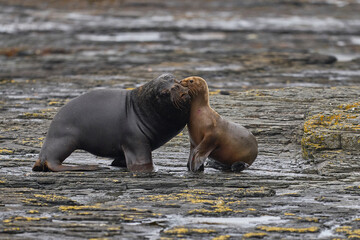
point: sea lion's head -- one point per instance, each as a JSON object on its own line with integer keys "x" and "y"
{"x": 175, "y": 92}
{"x": 163, "y": 92}
{"x": 196, "y": 85}
{"x": 164, "y": 96}
{"x": 163, "y": 104}
{"x": 169, "y": 90}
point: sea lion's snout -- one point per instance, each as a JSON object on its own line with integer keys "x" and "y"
{"x": 192, "y": 84}
{"x": 180, "y": 91}
{"x": 186, "y": 82}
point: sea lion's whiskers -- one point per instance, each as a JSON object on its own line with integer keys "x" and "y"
{"x": 181, "y": 104}
{"x": 193, "y": 92}
{"x": 178, "y": 104}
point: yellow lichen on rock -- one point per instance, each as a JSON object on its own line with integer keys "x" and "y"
{"x": 349, "y": 231}
{"x": 20, "y": 218}
{"x": 350, "y": 106}
{"x": 214, "y": 92}
{"x": 284, "y": 229}
{"x": 23, "y": 219}
{"x": 10, "y": 230}
{"x": 332, "y": 130}
{"x": 199, "y": 196}
{"x": 193, "y": 196}
{"x": 51, "y": 197}
{"x": 29, "y": 141}
{"x": 33, "y": 202}
{"x": 34, "y": 115}
{"x": 289, "y": 214}
{"x": 117, "y": 228}
{"x": 308, "y": 219}
{"x": 184, "y": 231}
{"x": 219, "y": 206}
{"x": 33, "y": 211}
{"x": 221, "y": 237}
{"x": 84, "y": 213}
{"x": 83, "y": 207}
{"x": 254, "y": 192}
{"x": 254, "y": 235}
{"x": 56, "y": 102}
{"x": 6, "y": 151}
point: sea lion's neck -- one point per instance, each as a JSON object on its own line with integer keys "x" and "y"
{"x": 145, "y": 108}
{"x": 158, "y": 121}
{"x": 200, "y": 100}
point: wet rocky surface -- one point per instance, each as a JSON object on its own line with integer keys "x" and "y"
{"x": 287, "y": 70}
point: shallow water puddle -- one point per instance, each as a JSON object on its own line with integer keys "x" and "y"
{"x": 243, "y": 222}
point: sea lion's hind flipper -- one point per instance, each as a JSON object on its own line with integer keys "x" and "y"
{"x": 62, "y": 168}
{"x": 239, "y": 166}
{"x": 52, "y": 155}
{"x": 218, "y": 165}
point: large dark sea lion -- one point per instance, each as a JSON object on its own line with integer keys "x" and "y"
{"x": 229, "y": 144}
{"x": 119, "y": 124}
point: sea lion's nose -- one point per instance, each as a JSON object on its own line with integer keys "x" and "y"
{"x": 183, "y": 83}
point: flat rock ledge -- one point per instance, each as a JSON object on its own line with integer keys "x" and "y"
{"x": 282, "y": 195}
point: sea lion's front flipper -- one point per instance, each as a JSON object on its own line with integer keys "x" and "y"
{"x": 191, "y": 155}
{"x": 199, "y": 155}
{"x": 138, "y": 158}
{"x": 119, "y": 161}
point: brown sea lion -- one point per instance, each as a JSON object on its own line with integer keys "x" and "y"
{"x": 229, "y": 144}
{"x": 119, "y": 124}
